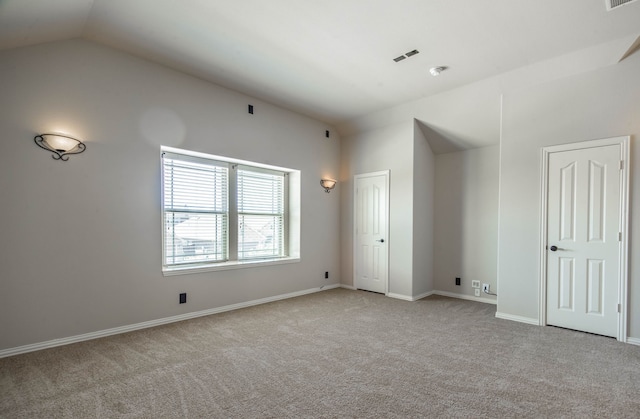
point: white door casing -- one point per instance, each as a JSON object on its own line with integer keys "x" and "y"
{"x": 585, "y": 191}
{"x": 371, "y": 231}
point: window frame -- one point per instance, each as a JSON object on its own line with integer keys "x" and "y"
{"x": 291, "y": 216}
{"x": 237, "y": 213}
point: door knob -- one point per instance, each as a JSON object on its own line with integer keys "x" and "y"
{"x": 553, "y": 248}
{"x": 381, "y": 240}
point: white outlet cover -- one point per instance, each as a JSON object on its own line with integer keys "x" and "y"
{"x": 477, "y": 292}
{"x": 475, "y": 284}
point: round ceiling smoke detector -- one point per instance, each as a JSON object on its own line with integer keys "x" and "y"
{"x": 435, "y": 71}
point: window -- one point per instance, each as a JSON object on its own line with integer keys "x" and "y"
{"x": 261, "y": 214}
{"x": 220, "y": 212}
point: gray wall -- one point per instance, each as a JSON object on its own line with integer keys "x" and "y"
{"x": 389, "y": 148}
{"x": 424, "y": 185}
{"x": 598, "y": 104}
{"x": 402, "y": 149}
{"x": 466, "y": 213}
{"x": 80, "y": 249}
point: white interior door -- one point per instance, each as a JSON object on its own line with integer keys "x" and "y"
{"x": 371, "y": 221}
{"x": 583, "y": 239}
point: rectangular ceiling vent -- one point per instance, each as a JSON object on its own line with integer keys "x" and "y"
{"x": 414, "y": 52}
{"x": 612, "y": 4}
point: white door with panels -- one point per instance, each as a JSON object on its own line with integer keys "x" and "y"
{"x": 584, "y": 275}
{"x": 371, "y": 231}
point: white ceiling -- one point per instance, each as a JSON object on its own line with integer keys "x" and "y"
{"x": 329, "y": 59}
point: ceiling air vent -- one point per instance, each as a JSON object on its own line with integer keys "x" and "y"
{"x": 412, "y": 53}
{"x": 613, "y": 4}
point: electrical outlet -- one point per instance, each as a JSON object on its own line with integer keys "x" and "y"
{"x": 477, "y": 292}
{"x": 475, "y": 284}
{"x": 326, "y": 275}
{"x": 183, "y": 298}
{"x": 485, "y": 288}
{"x": 457, "y": 281}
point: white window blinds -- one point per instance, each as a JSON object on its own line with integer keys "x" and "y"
{"x": 261, "y": 213}
{"x": 196, "y": 211}
{"x": 218, "y": 211}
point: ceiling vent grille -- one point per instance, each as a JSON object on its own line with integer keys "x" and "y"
{"x": 613, "y": 4}
{"x": 409, "y": 54}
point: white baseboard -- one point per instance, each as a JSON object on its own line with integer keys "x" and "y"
{"x": 426, "y": 294}
{"x": 349, "y": 287}
{"x": 421, "y": 296}
{"x": 399, "y": 296}
{"x": 465, "y": 297}
{"x": 408, "y": 297}
{"x": 633, "y": 341}
{"x": 519, "y": 319}
{"x": 144, "y": 325}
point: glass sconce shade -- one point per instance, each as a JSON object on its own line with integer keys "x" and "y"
{"x": 328, "y": 184}
{"x": 60, "y": 145}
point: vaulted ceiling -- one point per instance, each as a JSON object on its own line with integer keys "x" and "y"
{"x": 329, "y": 59}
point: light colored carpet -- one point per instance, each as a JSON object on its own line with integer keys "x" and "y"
{"x": 336, "y": 353}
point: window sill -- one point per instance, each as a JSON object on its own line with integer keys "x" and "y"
{"x": 226, "y": 266}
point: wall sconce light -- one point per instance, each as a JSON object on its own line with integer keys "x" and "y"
{"x": 60, "y": 145}
{"x": 328, "y": 184}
